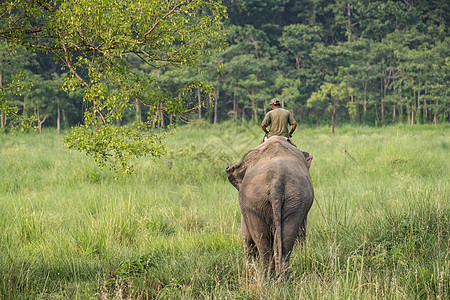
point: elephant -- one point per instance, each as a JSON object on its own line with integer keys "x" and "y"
{"x": 275, "y": 195}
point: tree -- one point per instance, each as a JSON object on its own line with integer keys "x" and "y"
{"x": 330, "y": 97}
{"x": 95, "y": 38}
{"x": 359, "y": 73}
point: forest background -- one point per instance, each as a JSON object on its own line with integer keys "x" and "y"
{"x": 379, "y": 226}
{"x": 392, "y": 57}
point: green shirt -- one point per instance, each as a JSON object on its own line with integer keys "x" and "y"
{"x": 278, "y": 120}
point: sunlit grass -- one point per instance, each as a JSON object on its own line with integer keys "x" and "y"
{"x": 379, "y": 226}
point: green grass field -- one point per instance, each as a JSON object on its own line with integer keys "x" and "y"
{"x": 378, "y": 229}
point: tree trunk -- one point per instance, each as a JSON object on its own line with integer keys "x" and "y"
{"x": 332, "y": 118}
{"x": 349, "y": 21}
{"x": 358, "y": 113}
{"x": 235, "y": 108}
{"x": 138, "y": 111}
{"x": 216, "y": 102}
{"x": 365, "y": 96}
{"x": 297, "y": 62}
{"x": 161, "y": 115}
{"x": 383, "y": 89}
{"x": 435, "y": 110}
{"x": 199, "y": 104}
{"x": 413, "y": 107}
{"x": 39, "y": 121}
{"x": 314, "y": 12}
{"x": 255, "y": 108}
{"x": 393, "y": 114}
{"x": 24, "y": 112}
{"x": 408, "y": 114}
{"x": 300, "y": 115}
{"x": 58, "y": 116}
{"x": 425, "y": 110}
{"x": 2, "y": 114}
{"x": 155, "y": 120}
{"x": 376, "y": 113}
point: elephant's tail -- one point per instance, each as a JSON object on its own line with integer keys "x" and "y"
{"x": 277, "y": 198}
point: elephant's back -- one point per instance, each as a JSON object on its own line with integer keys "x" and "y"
{"x": 286, "y": 172}
{"x": 291, "y": 166}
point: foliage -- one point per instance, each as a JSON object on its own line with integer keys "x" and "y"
{"x": 16, "y": 87}
{"x": 330, "y": 97}
{"x": 392, "y": 54}
{"x": 94, "y": 40}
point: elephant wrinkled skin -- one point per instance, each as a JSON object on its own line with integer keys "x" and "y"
{"x": 275, "y": 195}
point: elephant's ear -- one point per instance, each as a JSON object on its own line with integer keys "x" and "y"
{"x": 236, "y": 172}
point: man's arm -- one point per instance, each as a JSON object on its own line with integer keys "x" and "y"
{"x": 293, "y": 129}
{"x": 264, "y": 128}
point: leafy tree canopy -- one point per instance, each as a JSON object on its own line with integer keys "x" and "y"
{"x": 96, "y": 40}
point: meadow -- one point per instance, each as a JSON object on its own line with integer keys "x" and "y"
{"x": 379, "y": 227}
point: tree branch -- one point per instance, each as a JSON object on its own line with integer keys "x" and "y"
{"x": 162, "y": 18}
{"x": 69, "y": 65}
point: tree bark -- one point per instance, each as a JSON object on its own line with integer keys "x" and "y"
{"x": 393, "y": 114}
{"x": 435, "y": 113}
{"x": 425, "y": 110}
{"x": 255, "y": 109}
{"x": 199, "y": 104}
{"x": 408, "y": 114}
{"x": 332, "y": 118}
{"x": 235, "y": 108}
{"x": 358, "y": 113}
{"x": 418, "y": 103}
{"x": 39, "y": 121}
{"x": 2, "y": 114}
{"x": 216, "y": 102}
{"x": 161, "y": 115}
{"x": 365, "y": 96}
{"x": 349, "y": 22}
{"x": 58, "y": 116}
{"x": 138, "y": 111}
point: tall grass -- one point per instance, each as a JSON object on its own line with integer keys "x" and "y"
{"x": 379, "y": 226}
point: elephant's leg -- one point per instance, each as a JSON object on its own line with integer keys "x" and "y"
{"x": 264, "y": 244}
{"x": 302, "y": 233}
{"x": 247, "y": 241}
{"x": 262, "y": 237}
{"x": 290, "y": 233}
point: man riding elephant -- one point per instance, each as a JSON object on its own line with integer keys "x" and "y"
{"x": 275, "y": 195}
{"x": 279, "y": 120}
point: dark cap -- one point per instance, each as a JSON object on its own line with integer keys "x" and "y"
{"x": 275, "y": 102}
